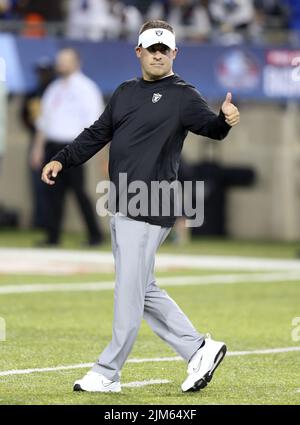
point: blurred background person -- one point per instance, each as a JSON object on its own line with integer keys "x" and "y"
{"x": 190, "y": 18}
{"x": 232, "y": 20}
{"x": 293, "y": 7}
{"x": 30, "y": 111}
{"x": 8, "y": 9}
{"x": 42, "y": 17}
{"x": 99, "y": 19}
{"x": 8, "y": 217}
{"x": 273, "y": 14}
{"x": 271, "y": 19}
{"x": 69, "y": 104}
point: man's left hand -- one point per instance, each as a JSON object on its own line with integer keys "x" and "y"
{"x": 231, "y": 112}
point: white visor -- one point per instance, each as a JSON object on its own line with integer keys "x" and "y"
{"x": 157, "y": 35}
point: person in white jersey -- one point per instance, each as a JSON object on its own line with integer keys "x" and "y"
{"x": 70, "y": 103}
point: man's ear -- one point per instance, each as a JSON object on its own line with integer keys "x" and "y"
{"x": 175, "y": 52}
{"x": 138, "y": 51}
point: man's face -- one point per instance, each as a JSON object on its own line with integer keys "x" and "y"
{"x": 156, "y": 60}
{"x": 66, "y": 62}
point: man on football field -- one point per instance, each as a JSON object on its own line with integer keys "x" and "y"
{"x": 146, "y": 122}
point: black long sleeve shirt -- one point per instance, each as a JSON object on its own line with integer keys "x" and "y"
{"x": 146, "y": 123}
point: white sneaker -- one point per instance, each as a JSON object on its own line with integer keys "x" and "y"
{"x": 202, "y": 365}
{"x": 95, "y": 382}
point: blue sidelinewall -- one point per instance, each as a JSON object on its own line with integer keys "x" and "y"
{"x": 259, "y": 73}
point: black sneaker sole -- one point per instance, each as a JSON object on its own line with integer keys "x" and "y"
{"x": 202, "y": 383}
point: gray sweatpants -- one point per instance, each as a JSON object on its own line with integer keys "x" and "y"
{"x": 136, "y": 295}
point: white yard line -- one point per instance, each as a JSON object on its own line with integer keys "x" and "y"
{"x": 58, "y": 287}
{"x": 59, "y": 261}
{"x": 264, "y": 351}
{"x": 162, "y": 281}
{"x": 147, "y": 360}
{"x": 144, "y": 383}
{"x": 45, "y": 369}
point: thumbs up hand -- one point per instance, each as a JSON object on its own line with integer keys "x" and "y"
{"x": 231, "y": 112}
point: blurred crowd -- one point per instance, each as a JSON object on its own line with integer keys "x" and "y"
{"x": 227, "y": 21}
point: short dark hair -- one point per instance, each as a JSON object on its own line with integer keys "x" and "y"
{"x": 156, "y": 23}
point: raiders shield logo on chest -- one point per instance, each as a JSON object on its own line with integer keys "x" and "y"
{"x": 156, "y": 97}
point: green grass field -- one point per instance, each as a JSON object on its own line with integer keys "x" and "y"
{"x": 200, "y": 245}
{"x": 51, "y": 329}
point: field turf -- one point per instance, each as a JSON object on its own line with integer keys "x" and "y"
{"x": 52, "y": 329}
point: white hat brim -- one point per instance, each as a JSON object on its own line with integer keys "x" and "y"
{"x": 157, "y": 36}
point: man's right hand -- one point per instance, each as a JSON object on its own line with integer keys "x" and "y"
{"x": 50, "y": 171}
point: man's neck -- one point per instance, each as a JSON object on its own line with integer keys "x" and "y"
{"x": 71, "y": 75}
{"x": 157, "y": 79}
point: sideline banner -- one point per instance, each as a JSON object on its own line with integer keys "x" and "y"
{"x": 250, "y": 72}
